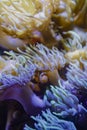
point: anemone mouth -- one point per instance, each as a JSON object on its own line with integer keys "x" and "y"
{"x": 22, "y": 17}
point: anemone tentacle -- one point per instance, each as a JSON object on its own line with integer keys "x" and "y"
{"x": 44, "y": 58}
{"x": 63, "y": 103}
{"x": 77, "y": 76}
{"x": 48, "y": 121}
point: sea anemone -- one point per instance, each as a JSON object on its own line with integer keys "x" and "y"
{"x": 22, "y": 22}
{"x": 77, "y": 54}
{"x": 46, "y": 60}
{"x": 16, "y": 86}
{"x": 9, "y": 63}
{"x": 80, "y": 13}
{"x": 72, "y": 42}
{"x": 8, "y": 66}
{"x": 76, "y": 75}
{"x": 47, "y": 71}
{"x": 49, "y": 121}
{"x": 22, "y": 17}
{"x": 77, "y": 80}
{"x": 63, "y": 103}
